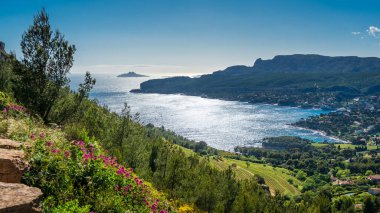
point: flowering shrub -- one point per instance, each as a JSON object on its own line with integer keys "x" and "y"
{"x": 80, "y": 173}
{"x": 4, "y": 100}
{"x": 6, "y": 104}
{"x": 76, "y": 176}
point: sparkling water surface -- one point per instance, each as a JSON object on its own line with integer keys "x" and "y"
{"x": 222, "y": 124}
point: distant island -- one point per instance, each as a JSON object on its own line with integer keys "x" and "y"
{"x": 131, "y": 74}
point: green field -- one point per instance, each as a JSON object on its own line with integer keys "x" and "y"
{"x": 275, "y": 178}
{"x": 343, "y": 146}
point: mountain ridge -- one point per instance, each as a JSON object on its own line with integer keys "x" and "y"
{"x": 285, "y": 79}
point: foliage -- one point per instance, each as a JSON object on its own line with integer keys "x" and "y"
{"x": 47, "y": 59}
{"x": 75, "y": 176}
{"x": 6, "y": 72}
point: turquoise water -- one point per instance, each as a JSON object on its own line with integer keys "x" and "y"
{"x": 222, "y": 124}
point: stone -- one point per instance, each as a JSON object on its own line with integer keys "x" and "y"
{"x": 12, "y": 165}
{"x": 9, "y": 144}
{"x": 17, "y": 197}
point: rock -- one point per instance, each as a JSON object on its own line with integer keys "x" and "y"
{"x": 9, "y": 144}
{"x": 17, "y": 197}
{"x": 12, "y": 165}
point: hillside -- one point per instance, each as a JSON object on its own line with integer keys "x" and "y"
{"x": 305, "y": 80}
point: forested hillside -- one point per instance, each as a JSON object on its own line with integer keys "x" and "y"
{"x": 294, "y": 80}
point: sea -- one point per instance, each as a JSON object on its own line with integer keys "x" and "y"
{"x": 221, "y": 124}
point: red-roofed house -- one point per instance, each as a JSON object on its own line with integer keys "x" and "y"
{"x": 374, "y": 178}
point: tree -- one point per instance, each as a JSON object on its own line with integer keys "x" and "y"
{"x": 6, "y": 74}
{"x": 42, "y": 73}
{"x": 86, "y": 87}
{"x": 369, "y": 204}
{"x": 301, "y": 175}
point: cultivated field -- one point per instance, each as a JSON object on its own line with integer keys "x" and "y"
{"x": 275, "y": 178}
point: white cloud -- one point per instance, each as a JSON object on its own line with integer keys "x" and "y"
{"x": 372, "y": 31}
{"x": 356, "y": 33}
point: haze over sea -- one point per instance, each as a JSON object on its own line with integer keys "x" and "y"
{"x": 222, "y": 124}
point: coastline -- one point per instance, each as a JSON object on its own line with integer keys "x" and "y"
{"x": 323, "y": 133}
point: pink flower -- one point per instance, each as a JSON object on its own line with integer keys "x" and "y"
{"x": 86, "y": 157}
{"x": 121, "y": 170}
{"x": 48, "y": 144}
{"x": 55, "y": 151}
{"x": 42, "y": 135}
{"x": 33, "y": 136}
{"x": 163, "y": 211}
{"x": 116, "y": 187}
{"x": 67, "y": 154}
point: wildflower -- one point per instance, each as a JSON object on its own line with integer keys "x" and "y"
{"x": 163, "y": 211}
{"x": 42, "y": 135}
{"x": 116, "y": 187}
{"x": 55, "y": 151}
{"x": 121, "y": 170}
{"x": 86, "y": 157}
{"x": 67, "y": 154}
{"x": 5, "y": 110}
{"x": 33, "y": 136}
{"x": 153, "y": 207}
{"x": 146, "y": 202}
{"x": 48, "y": 143}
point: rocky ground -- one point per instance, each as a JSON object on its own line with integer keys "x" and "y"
{"x": 15, "y": 196}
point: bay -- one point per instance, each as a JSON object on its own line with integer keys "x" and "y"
{"x": 222, "y": 124}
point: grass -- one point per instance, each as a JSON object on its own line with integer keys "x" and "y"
{"x": 275, "y": 178}
{"x": 343, "y": 146}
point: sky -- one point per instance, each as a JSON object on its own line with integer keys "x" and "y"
{"x": 188, "y": 37}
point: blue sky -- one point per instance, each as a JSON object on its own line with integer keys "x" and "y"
{"x": 168, "y": 37}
